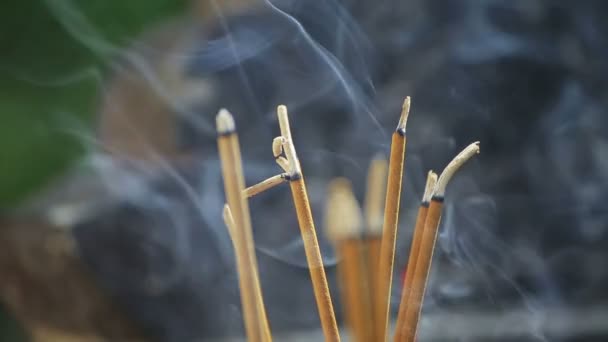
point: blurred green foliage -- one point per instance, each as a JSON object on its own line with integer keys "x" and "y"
{"x": 53, "y": 55}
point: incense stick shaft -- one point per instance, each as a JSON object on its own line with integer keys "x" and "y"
{"x": 238, "y": 249}
{"x": 372, "y": 249}
{"x": 389, "y": 235}
{"x": 315, "y": 262}
{"x": 264, "y": 185}
{"x": 344, "y": 223}
{"x": 307, "y": 229}
{"x": 372, "y": 244}
{"x": 354, "y": 289}
{"x": 254, "y": 314}
{"x": 375, "y": 196}
{"x": 421, "y": 271}
{"x": 410, "y": 269}
{"x": 233, "y": 188}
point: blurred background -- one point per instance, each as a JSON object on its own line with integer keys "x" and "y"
{"x": 110, "y": 188}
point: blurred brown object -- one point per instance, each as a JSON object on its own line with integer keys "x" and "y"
{"x": 151, "y": 91}
{"x": 43, "y": 283}
{"x": 142, "y": 100}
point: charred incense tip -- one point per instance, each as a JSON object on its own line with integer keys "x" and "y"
{"x": 452, "y": 167}
{"x": 431, "y": 180}
{"x": 343, "y": 214}
{"x": 405, "y": 112}
{"x": 224, "y": 122}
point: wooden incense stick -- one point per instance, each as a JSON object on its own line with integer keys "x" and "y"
{"x": 384, "y": 277}
{"x": 307, "y": 228}
{"x": 427, "y": 244}
{"x": 374, "y": 216}
{"x": 374, "y": 209}
{"x": 344, "y": 225}
{"x": 431, "y": 179}
{"x": 234, "y": 184}
{"x": 259, "y": 299}
{"x": 265, "y": 185}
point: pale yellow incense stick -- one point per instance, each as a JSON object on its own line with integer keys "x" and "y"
{"x": 374, "y": 216}
{"x": 232, "y": 231}
{"x": 256, "y": 323}
{"x": 344, "y": 225}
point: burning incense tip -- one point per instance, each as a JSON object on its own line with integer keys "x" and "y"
{"x": 453, "y": 166}
{"x": 405, "y": 112}
{"x": 431, "y": 180}
{"x": 389, "y": 228}
{"x": 344, "y": 219}
{"x": 224, "y": 122}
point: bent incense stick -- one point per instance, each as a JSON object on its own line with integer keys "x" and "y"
{"x": 427, "y": 243}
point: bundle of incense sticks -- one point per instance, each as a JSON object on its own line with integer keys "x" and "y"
{"x": 365, "y": 242}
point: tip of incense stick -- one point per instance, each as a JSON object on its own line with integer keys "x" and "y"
{"x": 224, "y": 121}
{"x": 405, "y": 112}
{"x": 379, "y": 158}
{"x": 453, "y": 166}
{"x": 283, "y": 121}
{"x": 376, "y": 193}
{"x": 343, "y": 214}
{"x": 282, "y": 109}
{"x": 431, "y": 180}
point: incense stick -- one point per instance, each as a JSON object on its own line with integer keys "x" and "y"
{"x": 265, "y": 185}
{"x": 343, "y": 224}
{"x": 384, "y": 276}
{"x": 234, "y": 184}
{"x": 431, "y": 179}
{"x": 259, "y": 299}
{"x": 374, "y": 212}
{"x": 427, "y": 244}
{"x": 307, "y": 228}
{"x": 374, "y": 201}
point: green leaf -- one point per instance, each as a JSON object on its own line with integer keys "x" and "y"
{"x": 53, "y": 57}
